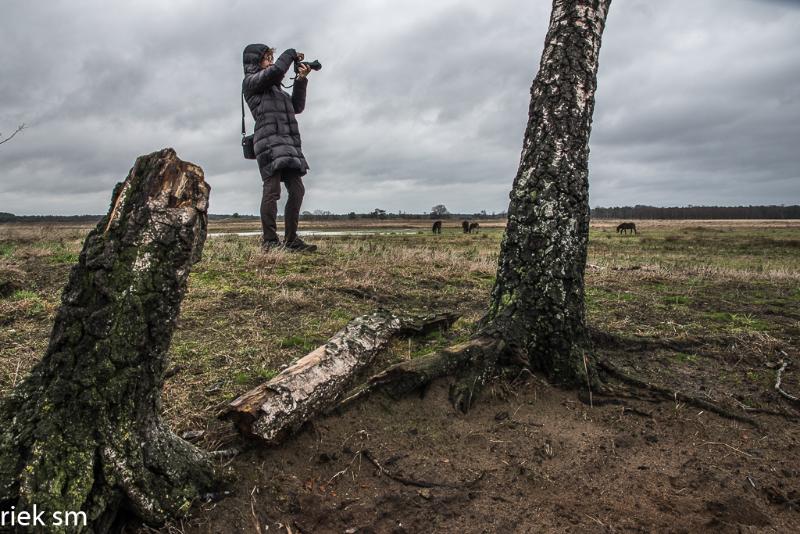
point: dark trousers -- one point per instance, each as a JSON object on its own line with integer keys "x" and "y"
{"x": 269, "y": 204}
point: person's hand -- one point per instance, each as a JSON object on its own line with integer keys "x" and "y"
{"x": 300, "y": 56}
{"x": 303, "y": 71}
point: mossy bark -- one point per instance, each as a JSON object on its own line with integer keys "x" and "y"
{"x": 537, "y": 303}
{"x": 83, "y": 432}
{"x": 314, "y": 384}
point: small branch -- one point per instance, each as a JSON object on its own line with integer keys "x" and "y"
{"x": 792, "y": 398}
{"x": 731, "y": 448}
{"x": 225, "y": 453}
{"x": 411, "y": 481}
{"x": 10, "y": 137}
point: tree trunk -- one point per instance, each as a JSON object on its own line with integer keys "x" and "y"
{"x": 314, "y": 384}
{"x": 537, "y": 315}
{"x": 537, "y": 303}
{"x": 83, "y": 432}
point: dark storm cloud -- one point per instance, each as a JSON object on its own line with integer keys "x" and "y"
{"x": 418, "y": 103}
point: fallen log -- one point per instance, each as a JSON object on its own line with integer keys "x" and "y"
{"x": 273, "y": 410}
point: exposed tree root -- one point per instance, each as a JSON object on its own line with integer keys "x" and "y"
{"x": 471, "y": 358}
{"x": 667, "y": 394}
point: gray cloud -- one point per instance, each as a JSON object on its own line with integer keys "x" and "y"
{"x": 417, "y": 104}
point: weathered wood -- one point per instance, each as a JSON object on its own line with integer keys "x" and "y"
{"x": 407, "y": 376}
{"x": 83, "y": 432}
{"x": 275, "y": 409}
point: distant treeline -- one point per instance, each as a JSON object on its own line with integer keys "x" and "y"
{"x": 698, "y": 212}
{"x": 10, "y": 217}
{"x": 319, "y": 215}
{"x": 625, "y": 212}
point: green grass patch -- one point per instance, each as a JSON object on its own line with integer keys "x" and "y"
{"x": 30, "y": 303}
{"x": 739, "y": 321}
{"x": 302, "y": 342}
{"x": 64, "y": 256}
{"x": 684, "y": 357}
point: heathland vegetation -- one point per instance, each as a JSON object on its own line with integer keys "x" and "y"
{"x": 708, "y": 308}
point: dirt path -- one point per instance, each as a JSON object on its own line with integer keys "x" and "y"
{"x": 529, "y": 458}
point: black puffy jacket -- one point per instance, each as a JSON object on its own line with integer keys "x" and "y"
{"x": 277, "y": 136}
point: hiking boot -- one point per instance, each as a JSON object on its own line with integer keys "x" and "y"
{"x": 298, "y": 245}
{"x": 267, "y": 246}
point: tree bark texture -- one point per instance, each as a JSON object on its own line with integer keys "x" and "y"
{"x": 537, "y": 303}
{"x": 83, "y": 430}
{"x": 410, "y": 375}
{"x": 275, "y": 409}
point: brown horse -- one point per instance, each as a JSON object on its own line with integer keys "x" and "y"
{"x": 474, "y": 227}
{"x": 624, "y": 227}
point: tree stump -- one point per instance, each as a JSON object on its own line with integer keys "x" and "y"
{"x": 83, "y": 432}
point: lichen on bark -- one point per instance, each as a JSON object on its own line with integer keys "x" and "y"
{"x": 537, "y": 303}
{"x": 83, "y": 431}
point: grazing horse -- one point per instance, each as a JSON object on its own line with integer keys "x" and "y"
{"x": 437, "y": 227}
{"x": 624, "y": 227}
{"x": 465, "y": 226}
{"x": 474, "y": 227}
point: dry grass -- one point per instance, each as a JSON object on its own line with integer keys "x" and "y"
{"x": 247, "y": 314}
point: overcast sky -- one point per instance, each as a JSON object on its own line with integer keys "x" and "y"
{"x": 419, "y": 102}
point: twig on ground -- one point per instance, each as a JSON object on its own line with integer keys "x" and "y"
{"x": 16, "y": 373}
{"x": 346, "y": 469}
{"x": 225, "y": 453}
{"x": 414, "y": 482}
{"x": 784, "y": 365}
{"x": 256, "y": 522}
{"x": 731, "y": 448}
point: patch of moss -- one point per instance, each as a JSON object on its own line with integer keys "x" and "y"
{"x": 685, "y": 358}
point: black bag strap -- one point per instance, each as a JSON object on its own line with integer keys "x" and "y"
{"x": 243, "y": 130}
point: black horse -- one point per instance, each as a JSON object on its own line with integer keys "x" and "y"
{"x": 624, "y": 227}
{"x": 465, "y": 226}
{"x": 437, "y": 227}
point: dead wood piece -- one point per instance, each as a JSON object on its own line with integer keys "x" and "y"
{"x": 317, "y": 381}
{"x": 674, "y": 395}
{"x": 778, "y": 388}
{"x": 410, "y": 375}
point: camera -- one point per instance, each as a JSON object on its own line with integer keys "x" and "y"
{"x": 313, "y": 65}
